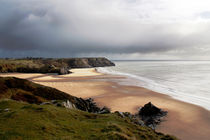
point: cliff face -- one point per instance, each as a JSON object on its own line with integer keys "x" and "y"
{"x": 89, "y": 62}
{"x": 51, "y": 65}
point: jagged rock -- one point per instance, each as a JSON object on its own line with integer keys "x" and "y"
{"x": 140, "y": 122}
{"x": 64, "y": 70}
{"x": 89, "y": 62}
{"x": 68, "y": 105}
{"x": 79, "y": 103}
{"x": 104, "y": 110}
{"x": 128, "y": 114}
{"x": 7, "y": 110}
{"x": 133, "y": 118}
{"x": 46, "y": 103}
{"x": 149, "y": 109}
{"x": 124, "y": 114}
{"x": 119, "y": 114}
{"x": 151, "y": 115}
{"x": 87, "y": 105}
{"x": 137, "y": 120}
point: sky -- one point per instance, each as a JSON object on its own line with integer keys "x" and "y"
{"x": 117, "y": 29}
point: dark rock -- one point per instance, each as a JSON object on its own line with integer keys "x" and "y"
{"x": 128, "y": 114}
{"x": 86, "y": 105}
{"x": 46, "y": 103}
{"x": 120, "y": 114}
{"x": 104, "y": 110}
{"x": 60, "y": 103}
{"x": 89, "y": 62}
{"x": 151, "y": 115}
{"x": 136, "y": 119}
{"x": 149, "y": 109}
{"x": 68, "y": 104}
{"x": 90, "y": 106}
{"x": 64, "y": 70}
{"x": 7, "y": 110}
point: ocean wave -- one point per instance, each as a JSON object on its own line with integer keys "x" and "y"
{"x": 140, "y": 81}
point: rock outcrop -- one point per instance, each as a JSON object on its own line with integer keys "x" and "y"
{"x": 85, "y": 105}
{"x": 24, "y": 90}
{"x": 64, "y": 70}
{"x": 151, "y": 115}
{"x": 90, "y": 106}
{"x": 89, "y": 62}
{"x": 132, "y": 117}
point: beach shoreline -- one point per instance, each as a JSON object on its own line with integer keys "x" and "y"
{"x": 184, "y": 120}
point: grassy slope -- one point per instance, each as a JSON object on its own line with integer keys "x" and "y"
{"x": 30, "y": 121}
{"x": 27, "y": 91}
{"x": 24, "y": 90}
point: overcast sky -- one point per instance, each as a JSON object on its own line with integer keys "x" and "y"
{"x": 117, "y": 29}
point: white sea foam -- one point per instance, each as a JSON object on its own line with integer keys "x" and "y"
{"x": 176, "y": 79}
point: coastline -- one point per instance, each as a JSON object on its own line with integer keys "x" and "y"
{"x": 184, "y": 120}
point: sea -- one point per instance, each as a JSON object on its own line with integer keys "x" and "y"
{"x": 188, "y": 81}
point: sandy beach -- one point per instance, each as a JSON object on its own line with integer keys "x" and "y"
{"x": 184, "y": 120}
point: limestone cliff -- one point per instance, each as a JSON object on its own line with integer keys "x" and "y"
{"x": 51, "y": 65}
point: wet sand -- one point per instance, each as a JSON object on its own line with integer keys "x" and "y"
{"x": 184, "y": 120}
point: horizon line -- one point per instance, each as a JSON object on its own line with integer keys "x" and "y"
{"x": 155, "y": 60}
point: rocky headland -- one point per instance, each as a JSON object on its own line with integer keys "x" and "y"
{"x": 51, "y": 65}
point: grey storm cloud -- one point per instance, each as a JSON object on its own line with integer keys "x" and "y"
{"x": 96, "y": 26}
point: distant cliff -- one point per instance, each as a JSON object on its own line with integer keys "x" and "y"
{"x": 51, "y": 65}
{"x": 88, "y": 62}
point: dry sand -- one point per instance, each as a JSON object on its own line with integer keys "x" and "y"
{"x": 184, "y": 120}
{"x": 82, "y": 72}
{"x": 21, "y": 75}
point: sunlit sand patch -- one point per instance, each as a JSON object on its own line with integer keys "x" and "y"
{"x": 79, "y": 89}
{"x": 21, "y": 75}
{"x": 48, "y": 78}
{"x": 82, "y": 72}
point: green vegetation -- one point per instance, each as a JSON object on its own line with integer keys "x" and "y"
{"x": 24, "y": 90}
{"x": 22, "y": 118}
{"x": 27, "y": 91}
{"x": 50, "y": 65}
{"x": 19, "y": 120}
